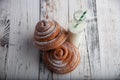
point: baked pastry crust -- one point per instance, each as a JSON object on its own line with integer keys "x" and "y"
{"x": 49, "y": 35}
{"x": 63, "y": 59}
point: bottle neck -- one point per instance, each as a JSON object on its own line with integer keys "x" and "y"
{"x": 79, "y": 16}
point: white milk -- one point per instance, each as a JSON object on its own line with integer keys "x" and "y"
{"x": 74, "y": 33}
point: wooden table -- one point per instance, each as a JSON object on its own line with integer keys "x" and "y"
{"x": 99, "y": 44}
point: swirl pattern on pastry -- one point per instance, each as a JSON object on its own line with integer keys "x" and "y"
{"x": 63, "y": 59}
{"x": 49, "y": 35}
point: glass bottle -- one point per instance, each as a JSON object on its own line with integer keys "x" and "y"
{"x": 76, "y": 27}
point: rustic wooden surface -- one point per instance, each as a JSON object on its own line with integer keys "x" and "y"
{"x": 99, "y": 42}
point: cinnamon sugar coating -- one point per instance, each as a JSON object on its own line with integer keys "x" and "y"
{"x": 49, "y": 35}
{"x": 63, "y": 59}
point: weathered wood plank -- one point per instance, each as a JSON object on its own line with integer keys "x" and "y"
{"x": 61, "y": 15}
{"x": 92, "y": 40}
{"x": 108, "y": 12}
{"x": 23, "y": 57}
{"x": 90, "y": 61}
{"x": 57, "y": 10}
{"x": 89, "y": 43}
{"x": 95, "y": 60}
{"x": 4, "y": 35}
{"x": 83, "y": 69}
{"x": 44, "y": 73}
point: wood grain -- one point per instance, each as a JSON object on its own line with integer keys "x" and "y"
{"x": 61, "y": 11}
{"x": 83, "y": 69}
{"x": 98, "y": 45}
{"x": 4, "y": 35}
{"x": 23, "y": 57}
{"x": 92, "y": 40}
{"x": 57, "y": 10}
{"x": 44, "y": 73}
{"x": 109, "y": 33}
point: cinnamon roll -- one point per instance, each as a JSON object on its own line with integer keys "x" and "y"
{"x": 63, "y": 59}
{"x": 49, "y": 35}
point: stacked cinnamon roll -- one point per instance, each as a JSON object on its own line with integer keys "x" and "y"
{"x": 49, "y": 35}
{"x": 60, "y": 56}
{"x": 63, "y": 59}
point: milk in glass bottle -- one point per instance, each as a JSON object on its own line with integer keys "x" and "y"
{"x": 76, "y": 27}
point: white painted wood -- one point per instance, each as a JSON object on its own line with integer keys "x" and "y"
{"x": 89, "y": 42}
{"x": 92, "y": 40}
{"x": 90, "y": 64}
{"x": 57, "y": 10}
{"x": 109, "y": 33}
{"x": 23, "y": 57}
{"x": 45, "y": 12}
{"x": 4, "y": 35}
{"x": 61, "y": 10}
{"x": 99, "y": 43}
{"x": 83, "y": 69}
